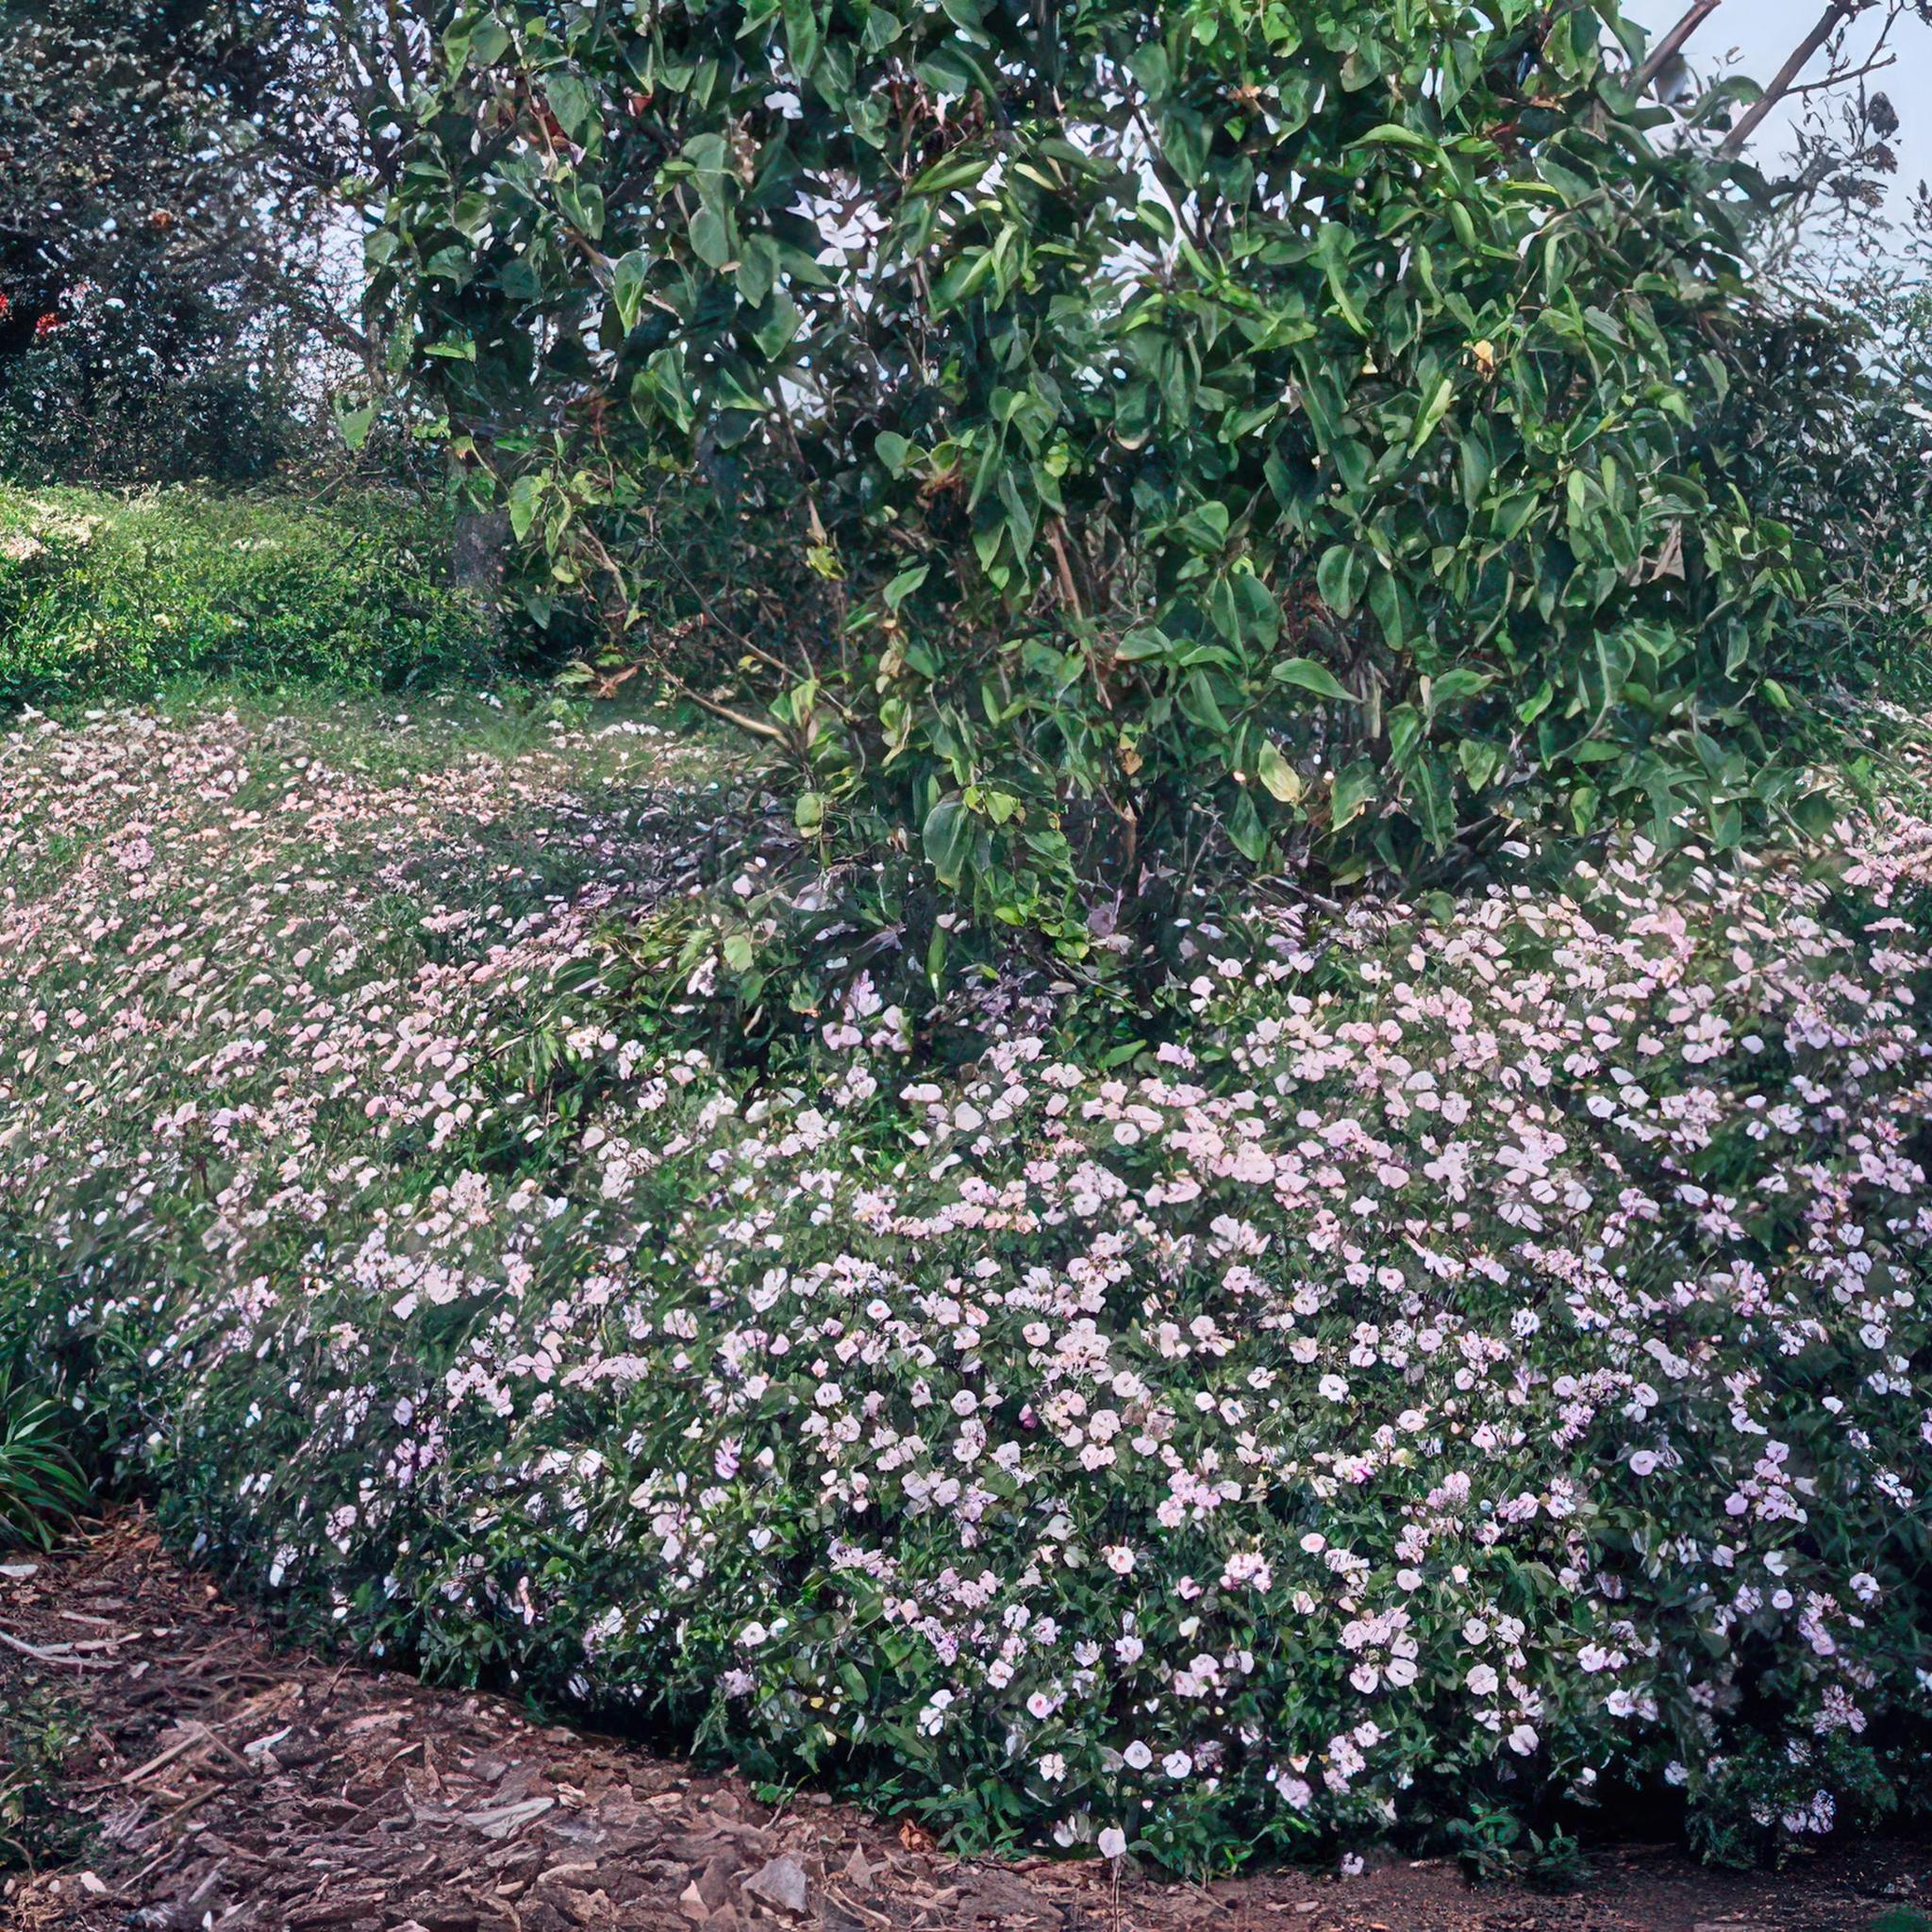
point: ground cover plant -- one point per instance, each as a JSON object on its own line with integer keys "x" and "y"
{"x": 42, "y": 1485}
{"x": 1469, "y": 1360}
{"x": 102, "y": 593}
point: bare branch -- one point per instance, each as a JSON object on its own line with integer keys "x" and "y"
{"x": 1831, "y": 80}
{"x": 1667, "y": 49}
{"x": 1834, "y": 17}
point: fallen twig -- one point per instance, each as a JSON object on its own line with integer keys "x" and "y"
{"x": 59, "y": 1655}
{"x": 200, "y": 1735}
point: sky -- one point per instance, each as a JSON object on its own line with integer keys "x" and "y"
{"x": 1764, "y": 32}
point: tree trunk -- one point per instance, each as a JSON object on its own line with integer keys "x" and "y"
{"x": 480, "y": 554}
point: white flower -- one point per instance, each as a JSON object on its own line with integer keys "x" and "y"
{"x": 1113, "y": 1843}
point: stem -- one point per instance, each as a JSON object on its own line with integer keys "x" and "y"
{"x": 1873, "y": 66}
{"x": 758, "y": 727}
{"x": 1834, "y": 17}
{"x": 1671, "y": 44}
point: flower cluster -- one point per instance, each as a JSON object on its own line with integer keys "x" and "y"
{"x": 1475, "y": 1352}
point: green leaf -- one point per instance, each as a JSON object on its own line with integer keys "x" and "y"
{"x": 1331, "y": 254}
{"x": 948, "y": 837}
{"x": 1258, "y": 610}
{"x": 1481, "y": 762}
{"x": 627, "y": 278}
{"x": 1205, "y": 526}
{"x": 710, "y": 236}
{"x": 1201, "y": 707}
{"x": 1306, "y": 675}
{"x": 1389, "y": 602}
{"x": 758, "y": 268}
{"x": 1352, "y": 790}
{"x": 1451, "y": 687}
{"x": 489, "y": 44}
{"x": 1246, "y": 831}
{"x": 573, "y": 102}
{"x": 951, "y": 170}
{"x": 581, "y": 203}
{"x": 1281, "y": 778}
{"x": 1431, "y": 413}
{"x": 1391, "y": 134}
{"x": 525, "y": 499}
{"x": 353, "y": 425}
{"x": 780, "y": 329}
{"x": 1339, "y": 576}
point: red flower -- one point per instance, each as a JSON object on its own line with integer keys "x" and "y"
{"x": 45, "y": 326}
{"x": 6, "y": 307}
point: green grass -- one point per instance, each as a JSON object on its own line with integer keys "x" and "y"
{"x": 103, "y": 595}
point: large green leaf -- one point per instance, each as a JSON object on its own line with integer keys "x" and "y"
{"x": 1303, "y": 674}
{"x": 949, "y": 833}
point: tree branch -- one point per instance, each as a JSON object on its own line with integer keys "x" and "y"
{"x": 1875, "y": 66}
{"x": 1834, "y": 17}
{"x": 1667, "y": 49}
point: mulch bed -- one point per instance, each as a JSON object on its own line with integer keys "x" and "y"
{"x": 227, "y": 1781}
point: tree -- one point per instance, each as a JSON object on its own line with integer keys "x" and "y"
{"x": 1259, "y": 424}
{"x": 167, "y": 175}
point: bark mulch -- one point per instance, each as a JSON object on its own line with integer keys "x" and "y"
{"x": 223, "y": 1780}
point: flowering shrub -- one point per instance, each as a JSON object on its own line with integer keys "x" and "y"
{"x": 1478, "y": 1354}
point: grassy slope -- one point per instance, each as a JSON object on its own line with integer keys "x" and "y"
{"x": 107, "y": 595}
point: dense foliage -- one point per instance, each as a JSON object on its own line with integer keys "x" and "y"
{"x": 42, "y": 1485}
{"x": 1832, "y": 421}
{"x": 1473, "y": 1354}
{"x": 165, "y": 167}
{"x": 100, "y": 594}
{"x": 1241, "y": 422}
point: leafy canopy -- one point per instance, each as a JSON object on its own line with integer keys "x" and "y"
{"x": 1282, "y": 426}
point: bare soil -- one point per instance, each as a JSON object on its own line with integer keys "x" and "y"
{"x": 225, "y": 1780}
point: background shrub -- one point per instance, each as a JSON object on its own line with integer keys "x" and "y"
{"x": 100, "y": 593}
{"x": 93, "y": 401}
